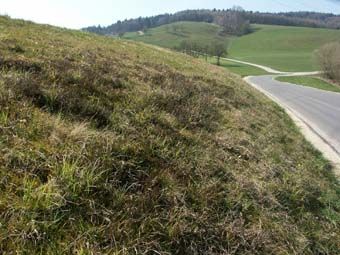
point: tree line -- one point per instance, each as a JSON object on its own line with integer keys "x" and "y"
{"x": 301, "y": 19}
{"x": 215, "y": 49}
{"x": 235, "y": 21}
{"x": 140, "y": 24}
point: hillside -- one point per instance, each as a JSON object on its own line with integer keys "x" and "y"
{"x": 283, "y": 48}
{"x": 115, "y": 147}
{"x": 201, "y": 33}
{"x": 171, "y": 36}
{"x": 280, "y": 47}
{"x": 215, "y": 16}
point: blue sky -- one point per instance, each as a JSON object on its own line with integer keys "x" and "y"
{"x": 81, "y": 13}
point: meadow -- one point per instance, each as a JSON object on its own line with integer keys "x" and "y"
{"x": 280, "y": 47}
{"x": 283, "y": 48}
{"x": 171, "y": 36}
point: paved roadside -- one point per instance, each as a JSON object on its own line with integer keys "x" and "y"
{"x": 315, "y": 111}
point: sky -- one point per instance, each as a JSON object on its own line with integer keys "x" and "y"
{"x": 82, "y": 13}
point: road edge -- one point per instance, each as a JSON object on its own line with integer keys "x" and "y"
{"x": 314, "y": 137}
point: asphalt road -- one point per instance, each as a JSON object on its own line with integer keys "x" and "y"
{"x": 319, "y": 109}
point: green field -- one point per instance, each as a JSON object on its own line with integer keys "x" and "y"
{"x": 280, "y": 47}
{"x": 283, "y": 48}
{"x": 238, "y": 68}
{"x": 116, "y": 147}
{"x": 170, "y": 36}
{"x": 310, "y": 81}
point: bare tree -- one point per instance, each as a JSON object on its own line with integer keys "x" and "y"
{"x": 219, "y": 49}
{"x": 234, "y": 21}
{"x": 329, "y": 60}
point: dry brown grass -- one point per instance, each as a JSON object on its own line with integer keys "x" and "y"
{"x": 113, "y": 147}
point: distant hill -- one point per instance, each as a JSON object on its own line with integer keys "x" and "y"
{"x": 302, "y": 19}
{"x": 285, "y": 48}
{"x": 172, "y": 35}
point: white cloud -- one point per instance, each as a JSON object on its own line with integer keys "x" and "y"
{"x": 41, "y": 11}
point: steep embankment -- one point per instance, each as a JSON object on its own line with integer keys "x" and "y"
{"x": 115, "y": 147}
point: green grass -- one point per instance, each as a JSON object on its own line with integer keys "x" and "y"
{"x": 310, "y": 81}
{"x": 280, "y": 47}
{"x": 283, "y": 48}
{"x": 115, "y": 147}
{"x": 171, "y": 36}
{"x": 238, "y": 68}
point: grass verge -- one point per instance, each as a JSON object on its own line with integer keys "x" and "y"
{"x": 310, "y": 81}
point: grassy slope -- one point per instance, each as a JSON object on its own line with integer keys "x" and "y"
{"x": 170, "y": 36}
{"x": 310, "y": 81}
{"x": 115, "y": 147}
{"x": 238, "y": 68}
{"x": 283, "y": 48}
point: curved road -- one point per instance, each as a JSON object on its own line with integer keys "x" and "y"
{"x": 271, "y": 70}
{"x": 316, "y": 111}
{"x": 265, "y": 68}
